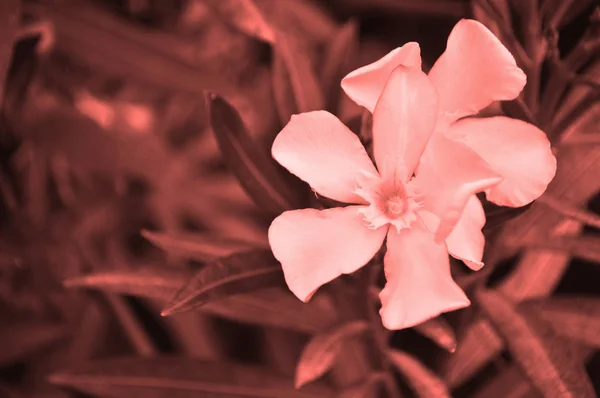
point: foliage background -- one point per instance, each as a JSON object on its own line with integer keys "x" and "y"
{"x": 120, "y": 195}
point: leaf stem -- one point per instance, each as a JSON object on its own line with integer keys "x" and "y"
{"x": 585, "y": 49}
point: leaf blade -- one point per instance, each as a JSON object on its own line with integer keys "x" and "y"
{"x": 321, "y": 351}
{"x": 303, "y": 79}
{"x": 257, "y": 172}
{"x": 9, "y": 23}
{"x": 236, "y": 274}
{"x": 576, "y": 318}
{"x": 339, "y": 54}
{"x": 151, "y": 283}
{"x": 549, "y": 367}
{"x": 26, "y": 338}
{"x": 159, "y": 377}
{"x": 440, "y": 332}
{"x": 423, "y": 381}
{"x": 246, "y": 17}
{"x": 201, "y": 247}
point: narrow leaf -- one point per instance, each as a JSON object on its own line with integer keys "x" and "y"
{"x": 94, "y": 36}
{"x": 268, "y": 307}
{"x": 548, "y": 363}
{"x": 423, "y": 381}
{"x": 182, "y": 377}
{"x": 583, "y": 247}
{"x": 79, "y": 140}
{"x": 303, "y": 78}
{"x": 439, "y": 331}
{"x": 571, "y": 211}
{"x": 9, "y": 23}
{"x": 479, "y": 345}
{"x": 255, "y": 169}
{"x": 244, "y": 16}
{"x": 538, "y": 271}
{"x": 320, "y": 353}
{"x": 276, "y": 307}
{"x": 576, "y": 318}
{"x": 510, "y": 383}
{"x": 197, "y": 246}
{"x": 236, "y": 274}
{"x": 370, "y": 387}
{"x": 285, "y": 101}
{"x": 152, "y": 283}
{"x": 496, "y": 216}
{"x": 25, "y": 338}
{"x": 340, "y": 52}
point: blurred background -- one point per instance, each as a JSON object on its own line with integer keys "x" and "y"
{"x": 115, "y": 189}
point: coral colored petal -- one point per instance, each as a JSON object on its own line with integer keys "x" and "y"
{"x": 449, "y": 174}
{"x": 364, "y": 85}
{"x": 474, "y": 71}
{"x": 419, "y": 284}
{"x": 319, "y": 149}
{"x": 518, "y": 151}
{"x": 466, "y": 241}
{"x": 316, "y": 246}
{"x": 403, "y": 121}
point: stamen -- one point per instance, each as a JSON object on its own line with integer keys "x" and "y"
{"x": 390, "y": 201}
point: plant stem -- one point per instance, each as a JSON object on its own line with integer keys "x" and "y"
{"x": 559, "y": 81}
{"x": 362, "y": 357}
{"x": 535, "y": 49}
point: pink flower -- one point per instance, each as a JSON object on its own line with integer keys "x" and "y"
{"x": 474, "y": 71}
{"x": 389, "y": 201}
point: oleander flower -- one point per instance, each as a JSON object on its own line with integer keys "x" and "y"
{"x": 388, "y": 202}
{"x": 474, "y": 71}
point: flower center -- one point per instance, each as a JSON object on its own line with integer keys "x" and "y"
{"x": 390, "y": 202}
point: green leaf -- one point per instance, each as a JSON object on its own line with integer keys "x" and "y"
{"x": 370, "y": 387}
{"x": 340, "y": 52}
{"x": 423, "y": 381}
{"x": 576, "y": 318}
{"x": 25, "y": 338}
{"x": 197, "y": 246}
{"x": 276, "y": 307}
{"x": 583, "y": 247}
{"x": 303, "y": 79}
{"x": 538, "y": 271}
{"x": 267, "y": 307}
{"x": 320, "y": 353}
{"x": 544, "y": 358}
{"x": 244, "y": 16}
{"x": 496, "y": 216}
{"x": 182, "y": 377}
{"x": 479, "y": 345}
{"x": 236, "y": 274}
{"x": 75, "y": 138}
{"x": 256, "y": 171}
{"x": 440, "y": 332}
{"x": 94, "y": 36}
{"x": 152, "y": 283}
{"x": 509, "y": 383}
{"x": 9, "y": 23}
{"x": 285, "y": 101}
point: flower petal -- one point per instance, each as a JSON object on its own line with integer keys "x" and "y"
{"x": 319, "y": 149}
{"x": 419, "y": 284}
{"x": 403, "y": 121}
{"x": 364, "y": 85}
{"x": 449, "y": 174}
{"x": 316, "y": 246}
{"x": 518, "y": 151}
{"x": 466, "y": 241}
{"x": 474, "y": 71}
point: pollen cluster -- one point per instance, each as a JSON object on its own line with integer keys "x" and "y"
{"x": 390, "y": 201}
